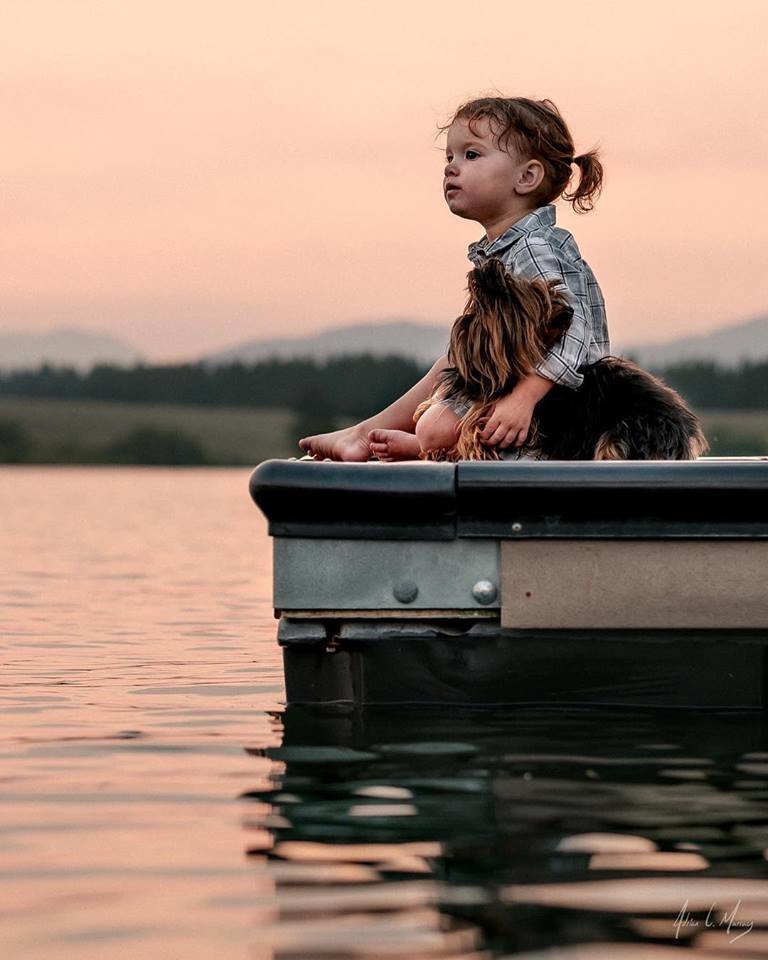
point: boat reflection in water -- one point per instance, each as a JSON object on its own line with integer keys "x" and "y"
{"x": 450, "y": 833}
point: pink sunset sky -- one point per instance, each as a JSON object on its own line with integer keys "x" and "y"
{"x": 191, "y": 174}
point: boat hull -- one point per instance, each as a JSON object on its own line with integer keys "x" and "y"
{"x": 521, "y": 583}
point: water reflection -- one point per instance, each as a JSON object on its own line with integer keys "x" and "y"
{"x": 403, "y": 833}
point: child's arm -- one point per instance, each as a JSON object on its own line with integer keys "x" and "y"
{"x": 510, "y": 420}
{"x": 511, "y": 417}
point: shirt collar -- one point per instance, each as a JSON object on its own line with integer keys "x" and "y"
{"x": 541, "y": 217}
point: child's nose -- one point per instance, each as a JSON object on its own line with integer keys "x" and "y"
{"x": 450, "y": 169}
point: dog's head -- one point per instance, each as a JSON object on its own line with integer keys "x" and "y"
{"x": 507, "y": 326}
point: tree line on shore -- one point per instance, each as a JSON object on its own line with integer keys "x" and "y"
{"x": 349, "y": 386}
{"x": 341, "y": 386}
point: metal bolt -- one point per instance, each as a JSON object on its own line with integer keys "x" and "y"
{"x": 406, "y": 591}
{"x": 484, "y": 591}
{"x": 517, "y": 527}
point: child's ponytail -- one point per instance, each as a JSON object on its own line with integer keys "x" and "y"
{"x": 537, "y": 129}
{"x": 590, "y": 182}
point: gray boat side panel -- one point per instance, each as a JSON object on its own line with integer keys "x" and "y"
{"x": 571, "y": 584}
{"x": 321, "y": 574}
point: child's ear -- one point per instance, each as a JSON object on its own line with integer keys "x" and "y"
{"x": 529, "y": 177}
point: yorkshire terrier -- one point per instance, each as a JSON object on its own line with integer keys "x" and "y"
{"x": 620, "y": 412}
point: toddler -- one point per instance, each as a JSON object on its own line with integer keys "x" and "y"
{"x": 507, "y": 160}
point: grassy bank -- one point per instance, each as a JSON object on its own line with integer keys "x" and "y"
{"x": 737, "y": 433}
{"x": 80, "y": 431}
{"x": 76, "y": 431}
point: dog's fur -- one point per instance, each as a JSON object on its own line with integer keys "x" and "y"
{"x": 619, "y": 413}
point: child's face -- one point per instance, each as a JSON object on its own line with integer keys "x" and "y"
{"x": 479, "y": 179}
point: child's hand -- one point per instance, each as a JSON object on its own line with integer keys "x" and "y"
{"x": 510, "y": 419}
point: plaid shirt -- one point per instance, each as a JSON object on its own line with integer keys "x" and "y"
{"x": 534, "y": 247}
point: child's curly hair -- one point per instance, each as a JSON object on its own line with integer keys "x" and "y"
{"x": 536, "y": 129}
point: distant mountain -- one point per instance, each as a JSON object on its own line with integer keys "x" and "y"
{"x": 420, "y": 341}
{"x": 727, "y": 346}
{"x": 424, "y": 342}
{"x": 63, "y": 348}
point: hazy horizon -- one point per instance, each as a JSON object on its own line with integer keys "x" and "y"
{"x": 353, "y": 323}
{"x": 187, "y": 177}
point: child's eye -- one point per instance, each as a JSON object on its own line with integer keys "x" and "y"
{"x": 471, "y": 154}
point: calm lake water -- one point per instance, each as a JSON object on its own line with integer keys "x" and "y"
{"x": 159, "y": 801}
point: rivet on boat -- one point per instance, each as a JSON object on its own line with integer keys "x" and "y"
{"x": 484, "y": 591}
{"x": 406, "y": 591}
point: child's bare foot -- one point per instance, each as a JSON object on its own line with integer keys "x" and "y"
{"x": 348, "y": 444}
{"x": 391, "y": 445}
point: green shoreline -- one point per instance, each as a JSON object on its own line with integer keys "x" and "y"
{"x": 78, "y": 431}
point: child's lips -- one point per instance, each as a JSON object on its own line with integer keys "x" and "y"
{"x": 451, "y": 188}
